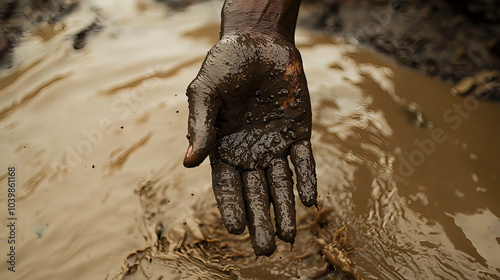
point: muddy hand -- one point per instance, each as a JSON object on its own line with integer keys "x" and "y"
{"x": 249, "y": 110}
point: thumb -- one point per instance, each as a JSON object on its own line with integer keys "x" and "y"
{"x": 203, "y": 110}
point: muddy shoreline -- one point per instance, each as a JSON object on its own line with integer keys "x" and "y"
{"x": 458, "y": 42}
{"x": 450, "y": 40}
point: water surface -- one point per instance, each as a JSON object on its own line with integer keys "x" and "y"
{"x": 98, "y": 137}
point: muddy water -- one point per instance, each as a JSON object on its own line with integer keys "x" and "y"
{"x": 97, "y": 136}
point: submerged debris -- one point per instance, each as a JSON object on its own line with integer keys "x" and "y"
{"x": 336, "y": 251}
{"x": 485, "y": 85}
{"x": 332, "y": 244}
{"x": 416, "y": 117}
{"x": 199, "y": 243}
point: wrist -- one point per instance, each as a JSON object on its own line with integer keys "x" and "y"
{"x": 275, "y": 18}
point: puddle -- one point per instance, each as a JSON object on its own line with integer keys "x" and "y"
{"x": 97, "y": 136}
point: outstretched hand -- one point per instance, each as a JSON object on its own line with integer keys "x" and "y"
{"x": 249, "y": 109}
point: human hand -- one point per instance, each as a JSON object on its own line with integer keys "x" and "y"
{"x": 249, "y": 109}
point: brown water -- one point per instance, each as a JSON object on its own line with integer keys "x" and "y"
{"x": 97, "y": 137}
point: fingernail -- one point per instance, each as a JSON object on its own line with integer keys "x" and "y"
{"x": 189, "y": 152}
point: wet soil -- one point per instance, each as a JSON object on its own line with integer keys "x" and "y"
{"x": 407, "y": 173}
{"x": 19, "y": 18}
{"x": 451, "y": 40}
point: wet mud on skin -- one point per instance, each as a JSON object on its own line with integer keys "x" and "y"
{"x": 103, "y": 193}
{"x": 249, "y": 107}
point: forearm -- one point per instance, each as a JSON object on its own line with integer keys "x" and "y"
{"x": 276, "y": 18}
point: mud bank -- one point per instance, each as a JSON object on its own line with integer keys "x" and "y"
{"x": 450, "y": 40}
{"x": 407, "y": 173}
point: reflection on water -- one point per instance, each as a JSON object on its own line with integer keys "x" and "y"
{"x": 97, "y": 135}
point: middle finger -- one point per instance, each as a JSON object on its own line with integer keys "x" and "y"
{"x": 258, "y": 213}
